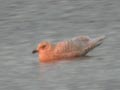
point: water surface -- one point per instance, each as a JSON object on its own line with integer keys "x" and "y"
{"x": 24, "y": 23}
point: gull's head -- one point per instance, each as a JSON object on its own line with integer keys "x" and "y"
{"x": 42, "y": 47}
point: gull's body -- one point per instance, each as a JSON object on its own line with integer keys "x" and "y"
{"x": 75, "y": 47}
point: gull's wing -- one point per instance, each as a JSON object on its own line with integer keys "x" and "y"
{"x": 78, "y": 46}
{"x": 75, "y": 44}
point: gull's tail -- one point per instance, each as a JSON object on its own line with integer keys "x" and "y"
{"x": 93, "y": 44}
{"x": 98, "y": 41}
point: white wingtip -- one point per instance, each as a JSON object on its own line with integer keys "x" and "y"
{"x": 99, "y": 40}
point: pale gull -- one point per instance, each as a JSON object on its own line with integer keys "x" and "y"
{"x": 75, "y": 47}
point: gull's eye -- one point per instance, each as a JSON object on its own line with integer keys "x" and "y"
{"x": 43, "y": 46}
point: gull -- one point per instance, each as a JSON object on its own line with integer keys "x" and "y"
{"x": 76, "y": 47}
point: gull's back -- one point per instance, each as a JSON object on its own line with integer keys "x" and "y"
{"x": 84, "y": 44}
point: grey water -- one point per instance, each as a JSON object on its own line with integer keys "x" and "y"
{"x": 25, "y": 23}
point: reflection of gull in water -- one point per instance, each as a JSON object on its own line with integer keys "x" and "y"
{"x": 75, "y": 47}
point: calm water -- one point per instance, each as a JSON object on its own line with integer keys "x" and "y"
{"x": 24, "y": 23}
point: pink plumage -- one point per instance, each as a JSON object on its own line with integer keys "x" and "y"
{"x": 77, "y": 46}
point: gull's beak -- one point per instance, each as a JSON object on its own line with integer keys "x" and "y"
{"x": 34, "y": 51}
